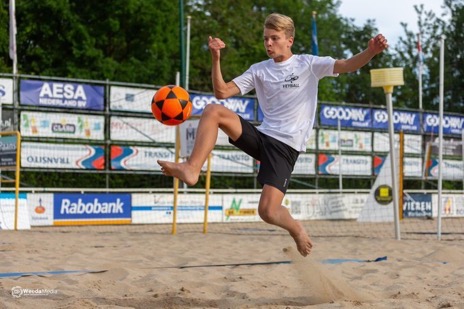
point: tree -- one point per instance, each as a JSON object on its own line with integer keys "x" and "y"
{"x": 432, "y": 28}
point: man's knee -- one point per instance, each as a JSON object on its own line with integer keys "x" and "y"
{"x": 266, "y": 214}
{"x": 212, "y": 110}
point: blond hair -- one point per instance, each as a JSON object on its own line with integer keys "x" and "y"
{"x": 279, "y": 22}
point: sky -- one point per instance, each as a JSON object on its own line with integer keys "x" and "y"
{"x": 388, "y": 14}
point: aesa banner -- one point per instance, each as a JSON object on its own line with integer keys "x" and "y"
{"x": 61, "y": 94}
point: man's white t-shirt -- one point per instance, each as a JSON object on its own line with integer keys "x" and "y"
{"x": 287, "y": 95}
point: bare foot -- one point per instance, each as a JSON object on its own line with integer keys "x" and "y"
{"x": 302, "y": 240}
{"x": 182, "y": 171}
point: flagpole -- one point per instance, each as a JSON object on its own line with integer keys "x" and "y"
{"x": 13, "y": 36}
{"x": 419, "y": 49}
{"x": 314, "y": 44}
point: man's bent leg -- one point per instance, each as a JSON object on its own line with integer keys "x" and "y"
{"x": 271, "y": 211}
{"x": 214, "y": 117}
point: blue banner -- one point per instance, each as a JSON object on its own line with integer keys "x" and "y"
{"x": 402, "y": 120}
{"x": 91, "y": 206}
{"x": 451, "y": 124}
{"x": 245, "y": 107}
{"x": 351, "y": 117}
{"x": 62, "y": 95}
{"x": 417, "y": 205}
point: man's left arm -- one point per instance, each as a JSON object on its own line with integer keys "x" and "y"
{"x": 375, "y": 46}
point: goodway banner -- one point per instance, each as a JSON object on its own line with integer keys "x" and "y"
{"x": 402, "y": 120}
{"x": 244, "y": 107}
{"x": 451, "y": 124}
{"x": 61, "y": 94}
{"x": 351, "y": 117}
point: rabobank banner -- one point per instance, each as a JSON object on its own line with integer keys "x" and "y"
{"x": 402, "y": 120}
{"x": 349, "y": 116}
{"x": 452, "y": 124}
{"x": 245, "y": 107}
{"x": 91, "y": 209}
{"x": 61, "y": 94}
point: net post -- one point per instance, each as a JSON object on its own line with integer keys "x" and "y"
{"x": 401, "y": 177}
{"x": 207, "y": 187}
{"x": 176, "y": 184}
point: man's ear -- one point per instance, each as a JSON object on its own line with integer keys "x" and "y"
{"x": 290, "y": 41}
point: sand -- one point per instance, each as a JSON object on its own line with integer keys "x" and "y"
{"x": 147, "y": 267}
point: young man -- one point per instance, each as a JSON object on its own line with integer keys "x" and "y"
{"x": 286, "y": 87}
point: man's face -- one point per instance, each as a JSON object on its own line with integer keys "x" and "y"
{"x": 277, "y": 45}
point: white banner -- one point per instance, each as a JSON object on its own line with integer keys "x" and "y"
{"x": 231, "y": 161}
{"x": 241, "y": 207}
{"x": 412, "y": 167}
{"x": 306, "y": 164}
{"x": 158, "y": 208}
{"x": 40, "y": 208}
{"x": 72, "y": 156}
{"x": 379, "y": 204}
{"x": 131, "y": 99}
{"x": 452, "y": 169}
{"x": 36, "y": 124}
{"x": 350, "y": 140}
{"x": 6, "y": 91}
{"x": 412, "y": 143}
{"x": 139, "y": 158}
{"x": 350, "y": 165}
{"x": 141, "y": 130}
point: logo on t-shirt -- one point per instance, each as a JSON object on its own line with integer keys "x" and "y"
{"x": 290, "y": 79}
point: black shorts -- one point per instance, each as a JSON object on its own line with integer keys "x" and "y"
{"x": 277, "y": 159}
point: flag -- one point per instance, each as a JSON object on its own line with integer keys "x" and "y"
{"x": 314, "y": 45}
{"x": 420, "y": 54}
{"x": 12, "y": 30}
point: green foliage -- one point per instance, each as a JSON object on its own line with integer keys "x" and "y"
{"x": 138, "y": 41}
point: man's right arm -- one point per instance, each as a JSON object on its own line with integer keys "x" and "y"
{"x": 222, "y": 90}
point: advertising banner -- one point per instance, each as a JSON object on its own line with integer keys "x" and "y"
{"x": 88, "y": 209}
{"x": 7, "y": 120}
{"x": 141, "y": 130}
{"x": 158, "y": 208}
{"x": 231, "y": 161}
{"x": 451, "y": 169}
{"x": 62, "y": 156}
{"x": 417, "y": 205}
{"x": 349, "y": 140}
{"x": 306, "y": 164}
{"x": 241, "y": 207}
{"x": 412, "y": 143}
{"x": 6, "y": 91}
{"x": 40, "y": 208}
{"x": 36, "y": 124}
{"x": 351, "y": 117}
{"x": 412, "y": 167}
{"x": 61, "y": 94}
{"x": 139, "y": 158}
{"x": 402, "y": 120}
{"x": 451, "y": 124}
{"x": 130, "y": 99}
{"x": 450, "y": 146}
{"x": 350, "y": 165}
{"x": 7, "y": 212}
{"x": 245, "y": 107}
{"x": 8, "y": 150}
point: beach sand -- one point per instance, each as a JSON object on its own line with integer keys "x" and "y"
{"x": 147, "y": 267}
